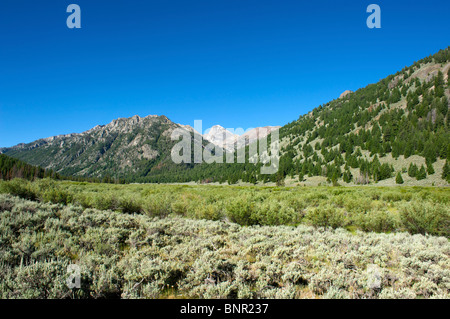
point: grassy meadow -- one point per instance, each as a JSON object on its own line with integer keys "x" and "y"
{"x": 200, "y": 241}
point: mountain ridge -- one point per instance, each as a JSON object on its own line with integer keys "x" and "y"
{"x": 370, "y": 135}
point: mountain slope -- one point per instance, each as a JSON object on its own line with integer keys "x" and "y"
{"x": 378, "y": 131}
{"x": 220, "y": 136}
{"x": 13, "y": 168}
{"x": 125, "y": 147}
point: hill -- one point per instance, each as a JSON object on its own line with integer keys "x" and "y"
{"x": 396, "y": 126}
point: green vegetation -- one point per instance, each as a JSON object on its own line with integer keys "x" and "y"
{"x": 139, "y": 256}
{"x": 378, "y": 209}
{"x": 398, "y": 178}
{"x": 375, "y": 120}
{"x": 11, "y": 168}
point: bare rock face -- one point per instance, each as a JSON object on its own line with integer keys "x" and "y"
{"x": 393, "y": 83}
{"x": 345, "y": 93}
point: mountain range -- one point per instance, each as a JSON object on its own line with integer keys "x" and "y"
{"x": 393, "y": 131}
{"x": 135, "y": 146}
{"x": 222, "y": 137}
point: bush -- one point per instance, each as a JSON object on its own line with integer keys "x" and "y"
{"x": 377, "y": 221}
{"x": 327, "y": 216}
{"x": 57, "y": 196}
{"x": 274, "y": 213}
{"x": 208, "y": 211}
{"x": 157, "y": 205}
{"x": 105, "y": 201}
{"x": 129, "y": 205}
{"x": 241, "y": 211}
{"x": 426, "y": 218}
{"x": 137, "y": 256}
{"x": 18, "y": 187}
{"x": 352, "y": 206}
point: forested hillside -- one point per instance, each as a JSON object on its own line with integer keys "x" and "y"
{"x": 372, "y": 129}
{"x": 11, "y": 168}
{"x": 395, "y": 129}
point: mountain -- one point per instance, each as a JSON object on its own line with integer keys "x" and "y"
{"x": 392, "y": 131}
{"x": 222, "y": 137}
{"x": 125, "y": 147}
{"x": 345, "y": 93}
{"x": 396, "y": 126}
{"x": 130, "y": 149}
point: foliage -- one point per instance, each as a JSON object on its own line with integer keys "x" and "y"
{"x": 398, "y": 178}
{"x": 353, "y": 207}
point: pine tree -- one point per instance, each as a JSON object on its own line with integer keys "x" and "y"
{"x": 399, "y": 179}
{"x": 448, "y": 77}
{"x": 412, "y": 170}
{"x": 421, "y": 174}
{"x": 347, "y": 176}
{"x": 430, "y": 168}
{"x": 446, "y": 172}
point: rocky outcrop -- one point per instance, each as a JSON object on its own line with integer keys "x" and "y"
{"x": 345, "y": 93}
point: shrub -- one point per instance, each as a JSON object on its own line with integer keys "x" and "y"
{"x": 105, "y": 201}
{"x": 377, "y": 221}
{"x": 274, "y": 213}
{"x": 18, "y": 187}
{"x": 57, "y": 196}
{"x": 208, "y": 211}
{"x": 129, "y": 205}
{"x": 426, "y": 218}
{"x": 137, "y": 256}
{"x": 327, "y": 216}
{"x": 157, "y": 205}
{"x": 241, "y": 211}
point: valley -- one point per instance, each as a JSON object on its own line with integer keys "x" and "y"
{"x": 358, "y": 206}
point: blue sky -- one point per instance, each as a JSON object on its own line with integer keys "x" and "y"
{"x": 237, "y": 63}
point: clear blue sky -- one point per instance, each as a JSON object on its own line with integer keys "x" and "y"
{"x": 237, "y": 63}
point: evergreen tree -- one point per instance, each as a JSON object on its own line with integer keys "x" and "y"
{"x": 347, "y": 177}
{"x": 399, "y": 179}
{"x": 412, "y": 170}
{"x": 446, "y": 172}
{"x": 430, "y": 168}
{"x": 448, "y": 77}
{"x": 421, "y": 174}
